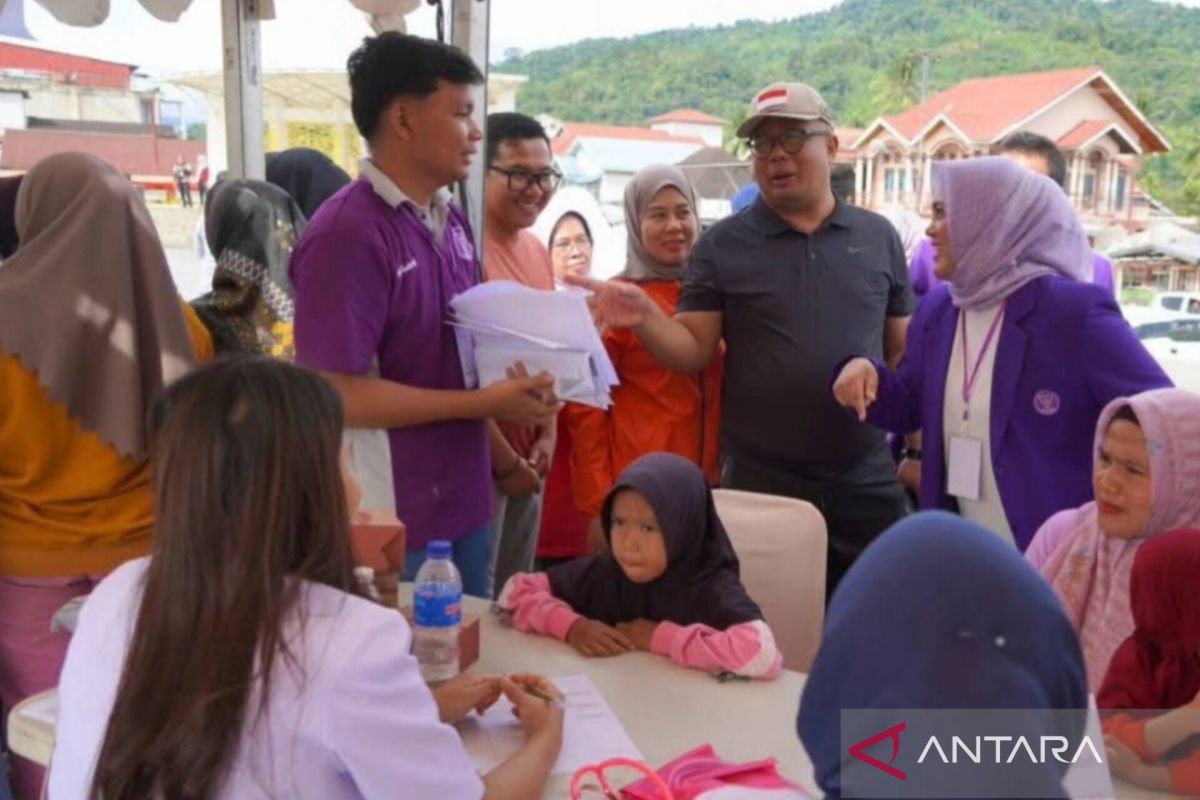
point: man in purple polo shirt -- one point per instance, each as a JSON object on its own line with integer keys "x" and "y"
{"x": 374, "y": 273}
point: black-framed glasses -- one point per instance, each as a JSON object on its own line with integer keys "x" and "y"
{"x": 792, "y": 141}
{"x": 520, "y": 180}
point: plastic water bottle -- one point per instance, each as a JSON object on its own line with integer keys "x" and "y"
{"x": 437, "y": 614}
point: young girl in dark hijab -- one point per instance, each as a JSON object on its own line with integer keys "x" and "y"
{"x": 668, "y": 582}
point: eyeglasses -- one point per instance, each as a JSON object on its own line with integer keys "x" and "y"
{"x": 521, "y": 181}
{"x": 792, "y": 141}
{"x": 582, "y": 242}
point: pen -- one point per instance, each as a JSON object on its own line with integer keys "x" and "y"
{"x": 542, "y": 694}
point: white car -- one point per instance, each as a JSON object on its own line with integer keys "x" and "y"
{"x": 1175, "y": 344}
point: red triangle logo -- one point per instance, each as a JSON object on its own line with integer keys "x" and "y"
{"x": 893, "y": 733}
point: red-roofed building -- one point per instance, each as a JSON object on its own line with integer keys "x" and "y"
{"x": 51, "y": 101}
{"x": 689, "y": 122}
{"x": 1098, "y": 128}
{"x": 64, "y": 67}
{"x": 142, "y": 157}
{"x": 605, "y": 157}
{"x": 574, "y": 132}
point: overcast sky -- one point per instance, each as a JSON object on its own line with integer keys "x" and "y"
{"x": 319, "y": 34}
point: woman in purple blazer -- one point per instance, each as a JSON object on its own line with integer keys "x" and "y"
{"x": 1008, "y": 366}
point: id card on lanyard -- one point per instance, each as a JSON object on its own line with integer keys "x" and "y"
{"x": 964, "y": 468}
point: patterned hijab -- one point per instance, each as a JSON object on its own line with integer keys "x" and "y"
{"x": 1008, "y": 226}
{"x": 252, "y": 228}
{"x": 1091, "y": 571}
{"x": 87, "y": 301}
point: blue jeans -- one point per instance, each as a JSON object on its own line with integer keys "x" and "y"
{"x": 472, "y": 556}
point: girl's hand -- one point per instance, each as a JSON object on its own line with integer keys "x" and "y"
{"x": 592, "y": 638}
{"x": 640, "y": 632}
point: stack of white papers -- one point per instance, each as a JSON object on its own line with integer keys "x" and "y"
{"x": 591, "y": 731}
{"x": 500, "y": 323}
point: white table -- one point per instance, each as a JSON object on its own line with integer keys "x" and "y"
{"x": 666, "y": 709}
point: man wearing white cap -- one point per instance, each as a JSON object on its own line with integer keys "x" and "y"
{"x": 791, "y": 284}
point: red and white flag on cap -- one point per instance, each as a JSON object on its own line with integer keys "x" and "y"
{"x": 770, "y": 98}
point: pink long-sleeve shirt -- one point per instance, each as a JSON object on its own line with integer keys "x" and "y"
{"x": 747, "y": 649}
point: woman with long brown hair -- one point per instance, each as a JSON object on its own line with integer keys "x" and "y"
{"x": 239, "y": 661}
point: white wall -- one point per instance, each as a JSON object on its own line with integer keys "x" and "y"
{"x": 710, "y": 134}
{"x": 75, "y": 103}
{"x": 1083, "y": 104}
{"x": 612, "y": 188}
{"x": 12, "y": 110}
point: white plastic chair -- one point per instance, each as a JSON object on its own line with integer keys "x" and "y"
{"x": 781, "y": 543}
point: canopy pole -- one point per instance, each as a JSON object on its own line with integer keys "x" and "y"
{"x": 244, "y": 86}
{"x": 469, "y": 32}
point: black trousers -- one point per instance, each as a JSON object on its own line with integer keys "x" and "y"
{"x": 854, "y": 513}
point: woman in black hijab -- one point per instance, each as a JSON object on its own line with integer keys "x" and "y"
{"x": 309, "y": 176}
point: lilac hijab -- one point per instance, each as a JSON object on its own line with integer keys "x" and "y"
{"x": 1008, "y": 226}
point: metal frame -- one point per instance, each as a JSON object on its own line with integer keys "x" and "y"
{"x": 469, "y": 23}
{"x": 240, "y": 28}
{"x": 242, "y": 66}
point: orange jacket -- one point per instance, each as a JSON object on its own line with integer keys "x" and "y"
{"x": 653, "y": 410}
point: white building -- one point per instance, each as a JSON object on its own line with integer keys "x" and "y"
{"x": 605, "y": 157}
{"x": 688, "y": 122}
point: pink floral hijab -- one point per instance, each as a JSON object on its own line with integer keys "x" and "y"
{"x": 1089, "y": 570}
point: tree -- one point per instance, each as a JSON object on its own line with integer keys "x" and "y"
{"x": 198, "y": 131}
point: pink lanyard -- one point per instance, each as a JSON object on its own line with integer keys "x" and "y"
{"x": 968, "y": 379}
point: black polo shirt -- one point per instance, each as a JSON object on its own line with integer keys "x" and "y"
{"x": 793, "y": 306}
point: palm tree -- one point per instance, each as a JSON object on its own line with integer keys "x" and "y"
{"x": 734, "y": 144}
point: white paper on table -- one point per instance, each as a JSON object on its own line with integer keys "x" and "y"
{"x": 44, "y": 709}
{"x": 1075, "y": 782}
{"x": 591, "y": 731}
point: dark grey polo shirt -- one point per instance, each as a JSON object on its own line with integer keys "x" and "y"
{"x": 793, "y": 306}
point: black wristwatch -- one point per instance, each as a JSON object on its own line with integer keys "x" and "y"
{"x": 911, "y": 454}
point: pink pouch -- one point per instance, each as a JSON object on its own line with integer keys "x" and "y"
{"x": 701, "y": 770}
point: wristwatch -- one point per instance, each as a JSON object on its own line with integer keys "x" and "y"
{"x": 911, "y": 454}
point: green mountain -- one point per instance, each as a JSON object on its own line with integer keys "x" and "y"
{"x": 872, "y": 57}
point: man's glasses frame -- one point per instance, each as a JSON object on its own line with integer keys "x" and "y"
{"x": 519, "y": 180}
{"x": 792, "y": 141}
